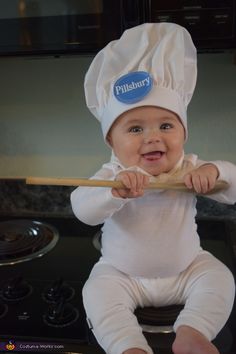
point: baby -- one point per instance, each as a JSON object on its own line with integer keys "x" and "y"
{"x": 139, "y": 88}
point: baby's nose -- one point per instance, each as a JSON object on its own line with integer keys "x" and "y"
{"x": 152, "y": 135}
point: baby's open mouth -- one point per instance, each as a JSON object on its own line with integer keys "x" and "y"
{"x": 153, "y": 155}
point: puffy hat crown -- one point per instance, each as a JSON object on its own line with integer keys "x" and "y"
{"x": 153, "y": 64}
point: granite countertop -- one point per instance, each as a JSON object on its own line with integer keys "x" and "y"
{"x": 20, "y": 199}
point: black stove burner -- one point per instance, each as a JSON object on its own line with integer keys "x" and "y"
{"x": 3, "y": 309}
{"x": 58, "y": 289}
{"x": 61, "y": 314}
{"x": 158, "y": 316}
{"x": 22, "y": 240}
{"x": 15, "y": 289}
{"x": 33, "y": 317}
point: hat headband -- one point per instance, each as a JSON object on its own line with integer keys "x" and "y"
{"x": 158, "y": 97}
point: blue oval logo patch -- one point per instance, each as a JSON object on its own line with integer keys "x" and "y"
{"x": 133, "y": 87}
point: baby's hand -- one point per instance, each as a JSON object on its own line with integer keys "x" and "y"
{"x": 203, "y": 179}
{"x": 134, "y": 183}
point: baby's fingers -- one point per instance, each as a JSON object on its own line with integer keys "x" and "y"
{"x": 141, "y": 182}
{"x": 199, "y": 183}
{"x": 134, "y": 184}
{"x": 127, "y": 180}
{"x": 193, "y": 182}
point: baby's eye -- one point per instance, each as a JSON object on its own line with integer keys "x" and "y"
{"x": 136, "y": 129}
{"x": 166, "y": 126}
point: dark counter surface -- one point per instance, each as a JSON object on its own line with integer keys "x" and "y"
{"x": 17, "y": 198}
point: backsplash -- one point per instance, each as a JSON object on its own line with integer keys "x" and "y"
{"x": 19, "y": 199}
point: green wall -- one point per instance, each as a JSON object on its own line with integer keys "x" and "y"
{"x": 46, "y": 129}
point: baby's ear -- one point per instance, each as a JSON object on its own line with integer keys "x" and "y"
{"x": 109, "y": 139}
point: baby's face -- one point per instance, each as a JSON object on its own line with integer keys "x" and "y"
{"x": 149, "y": 137}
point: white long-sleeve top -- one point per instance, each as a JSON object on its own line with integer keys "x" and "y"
{"x": 154, "y": 235}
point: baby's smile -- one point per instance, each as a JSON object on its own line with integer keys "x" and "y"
{"x": 153, "y": 155}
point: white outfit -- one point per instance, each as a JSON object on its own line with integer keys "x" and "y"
{"x": 151, "y": 256}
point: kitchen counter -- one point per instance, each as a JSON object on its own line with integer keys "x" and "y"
{"x": 20, "y": 199}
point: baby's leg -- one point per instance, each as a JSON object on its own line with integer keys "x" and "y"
{"x": 109, "y": 302}
{"x": 209, "y": 295}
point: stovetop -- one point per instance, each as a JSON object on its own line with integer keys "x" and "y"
{"x": 40, "y": 299}
{"x": 41, "y": 309}
{"x": 41, "y": 305}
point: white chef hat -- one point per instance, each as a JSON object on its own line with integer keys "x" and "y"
{"x": 153, "y": 64}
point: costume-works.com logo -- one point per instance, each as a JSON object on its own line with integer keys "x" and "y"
{"x": 10, "y": 346}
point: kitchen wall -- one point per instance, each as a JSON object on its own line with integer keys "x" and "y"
{"x": 46, "y": 129}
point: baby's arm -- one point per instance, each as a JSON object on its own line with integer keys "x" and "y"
{"x": 202, "y": 179}
{"x": 92, "y": 205}
{"x": 227, "y": 173}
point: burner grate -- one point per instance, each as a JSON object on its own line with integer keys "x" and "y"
{"x": 158, "y": 316}
{"x": 22, "y": 240}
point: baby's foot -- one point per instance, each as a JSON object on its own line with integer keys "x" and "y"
{"x": 134, "y": 351}
{"x": 190, "y": 341}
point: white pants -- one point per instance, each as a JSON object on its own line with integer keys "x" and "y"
{"x": 110, "y": 297}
